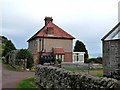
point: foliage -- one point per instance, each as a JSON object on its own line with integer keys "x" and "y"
{"x": 80, "y": 47}
{"x": 96, "y": 60}
{"x": 47, "y": 59}
{"x": 7, "y": 46}
{"x": 4, "y": 39}
{"x": 80, "y": 69}
{"x": 98, "y": 75}
{"x": 25, "y": 54}
{"x": 28, "y": 83}
{"x": 1, "y": 61}
{"x": 59, "y": 60}
{"x": 9, "y": 67}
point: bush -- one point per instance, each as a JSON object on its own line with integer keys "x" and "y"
{"x": 9, "y": 46}
{"x": 95, "y": 60}
{"x": 25, "y": 54}
{"x": 59, "y": 61}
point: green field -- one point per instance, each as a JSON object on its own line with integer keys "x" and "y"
{"x": 98, "y": 72}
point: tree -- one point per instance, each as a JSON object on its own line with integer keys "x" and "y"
{"x": 3, "y": 41}
{"x": 80, "y": 47}
{"x": 9, "y": 46}
{"x": 25, "y": 54}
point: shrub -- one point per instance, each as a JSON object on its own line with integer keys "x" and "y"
{"x": 25, "y": 54}
{"x": 59, "y": 61}
{"x": 96, "y": 60}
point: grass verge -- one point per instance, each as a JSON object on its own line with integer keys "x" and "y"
{"x": 79, "y": 69}
{"x": 98, "y": 75}
{"x": 1, "y": 61}
{"x": 17, "y": 69}
{"x": 9, "y": 67}
{"x": 27, "y": 84}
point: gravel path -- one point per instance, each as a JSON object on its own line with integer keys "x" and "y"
{"x": 11, "y": 78}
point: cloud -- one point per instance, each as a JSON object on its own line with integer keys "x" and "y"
{"x": 87, "y": 20}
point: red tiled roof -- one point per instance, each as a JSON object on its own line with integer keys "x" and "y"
{"x": 57, "y": 32}
{"x": 58, "y": 51}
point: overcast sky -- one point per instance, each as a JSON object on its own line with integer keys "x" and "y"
{"x": 87, "y": 20}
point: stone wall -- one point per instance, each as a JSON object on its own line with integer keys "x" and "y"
{"x": 111, "y": 58}
{"x": 58, "y": 78}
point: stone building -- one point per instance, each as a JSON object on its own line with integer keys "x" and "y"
{"x": 111, "y": 53}
{"x": 49, "y": 40}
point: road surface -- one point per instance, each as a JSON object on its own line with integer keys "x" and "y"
{"x": 11, "y": 78}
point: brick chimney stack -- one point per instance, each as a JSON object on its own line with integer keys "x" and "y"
{"x": 47, "y": 20}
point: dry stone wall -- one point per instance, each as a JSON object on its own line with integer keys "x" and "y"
{"x": 58, "y": 78}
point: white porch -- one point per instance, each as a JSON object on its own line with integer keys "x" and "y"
{"x": 78, "y": 57}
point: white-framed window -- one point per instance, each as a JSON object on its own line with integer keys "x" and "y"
{"x": 60, "y": 56}
{"x": 81, "y": 58}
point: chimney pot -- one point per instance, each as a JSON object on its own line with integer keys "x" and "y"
{"x": 47, "y": 20}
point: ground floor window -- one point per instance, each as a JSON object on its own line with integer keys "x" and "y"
{"x": 60, "y": 56}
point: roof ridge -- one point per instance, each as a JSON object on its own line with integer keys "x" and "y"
{"x": 62, "y": 29}
{"x": 113, "y": 29}
{"x": 63, "y": 33}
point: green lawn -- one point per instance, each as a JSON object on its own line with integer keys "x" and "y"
{"x": 27, "y": 84}
{"x": 94, "y": 72}
{"x": 98, "y": 75}
{"x": 79, "y": 69}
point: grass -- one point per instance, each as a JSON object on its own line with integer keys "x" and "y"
{"x": 17, "y": 69}
{"x": 27, "y": 84}
{"x": 1, "y": 61}
{"x": 98, "y": 75}
{"x": 9, "y": 67}
{"x": 79, "y": 69}
{"x": 94, "y": 72}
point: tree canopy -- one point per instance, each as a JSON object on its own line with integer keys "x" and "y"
{"x": 80, "y": 47}
{"x": 7, "y": 46}
{"x": 25, "y": 54}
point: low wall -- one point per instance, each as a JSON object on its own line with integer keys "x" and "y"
{"x": 53, "y": 77}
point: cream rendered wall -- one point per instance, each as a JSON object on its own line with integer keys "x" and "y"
{"x": 66, "y": 44}
{"x": 33, "y": 46}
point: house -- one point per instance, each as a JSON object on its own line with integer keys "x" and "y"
{"x": 51, "y": 40}
{"x": 111, "y": 53}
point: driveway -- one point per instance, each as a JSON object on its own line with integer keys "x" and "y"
{"x": 11, "y": 78}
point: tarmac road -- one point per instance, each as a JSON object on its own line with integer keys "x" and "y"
{"x": 11, "y": 78}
